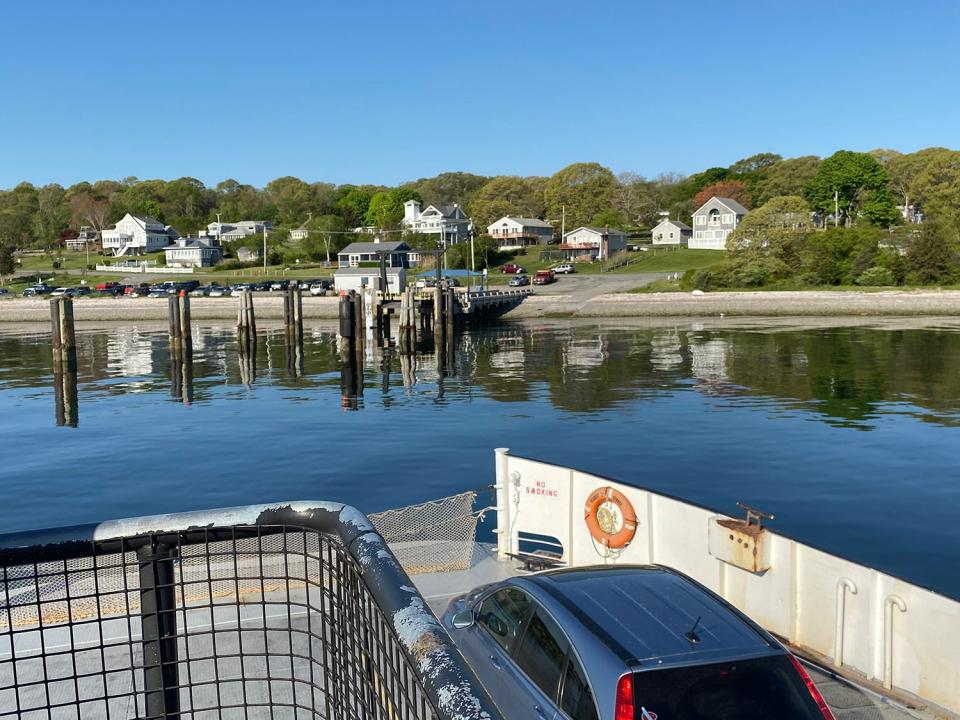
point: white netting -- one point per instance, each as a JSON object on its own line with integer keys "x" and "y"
{"x": 437, "y": 536}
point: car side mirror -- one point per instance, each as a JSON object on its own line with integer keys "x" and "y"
{"x": 462, "y": 619}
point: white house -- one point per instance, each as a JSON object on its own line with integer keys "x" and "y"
{"x": 513, "y": 233}
{"x": 230, "y": 231}
{"x": 671, "y": 232}
{"x": 448, "y": 222}
{"x": 246, "y": 254}
{"x": 136, "y": 235}
{"x": 713, "y": 221}
{"x": 368, "y": 253}
{"x": 357, "y": 278}
{"x": 86, "y": 237}
{"x": 593, "y": 243}
{"x": 193, "y": 252}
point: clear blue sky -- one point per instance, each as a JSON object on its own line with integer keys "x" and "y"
{"x": 389, "y": 91}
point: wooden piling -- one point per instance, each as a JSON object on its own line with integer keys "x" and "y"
{"x": 173, "y": 318}
{"x": 247, "y": 337}
{"x": 68, "y": 338}
{"x": 450, "y": 310}
{"x": 55, "y": 328}
{"x": 186, "y": 327}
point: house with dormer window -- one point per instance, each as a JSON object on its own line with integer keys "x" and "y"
{"x": 714, "y": 221}
{"x": 136, "y": 235}
{"x": 449, "y": 223}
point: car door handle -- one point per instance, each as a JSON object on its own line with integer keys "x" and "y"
{"x": 539, "y": 711}
{"x": 495, "y": 662}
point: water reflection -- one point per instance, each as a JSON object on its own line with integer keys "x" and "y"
{"x": 846, "y": 376}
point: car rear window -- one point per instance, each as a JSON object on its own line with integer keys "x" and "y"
{"x": 756, "y": 689}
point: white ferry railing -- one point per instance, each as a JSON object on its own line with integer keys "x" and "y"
{"x": 869, "y": 625}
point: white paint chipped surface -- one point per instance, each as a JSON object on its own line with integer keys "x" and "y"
{"x": 176, "y": 522}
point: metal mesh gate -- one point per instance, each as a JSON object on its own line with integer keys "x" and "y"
{"x": 437, "y": 536}
{"x": 265, "y": 620}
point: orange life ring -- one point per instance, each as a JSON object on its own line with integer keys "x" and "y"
{"x": 600, "y": 514}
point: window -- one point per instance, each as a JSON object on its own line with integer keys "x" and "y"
{"x": 576, "y": 700}
{"x": 541, "y": 653}
{"x": 747, "y": 690}
{"x": 714, "y": 217}
{"x": 671, "y": 236}
{"x": 727, "y": 218}
{"x": 700, "y": 220}
{"x": 502, "y": 615}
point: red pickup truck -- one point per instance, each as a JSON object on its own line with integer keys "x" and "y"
{"x": 511, "y": 269}
{"x": 107, "y": 285}
{"x": 544, "y": 277}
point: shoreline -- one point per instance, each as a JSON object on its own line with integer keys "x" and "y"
{"x": 806, "y": 303}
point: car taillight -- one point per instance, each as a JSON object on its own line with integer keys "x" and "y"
{"x": 623, "y": 709}
{"x": 812, "y": 689}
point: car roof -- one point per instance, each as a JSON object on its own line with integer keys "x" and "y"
{"x": 644, "y": 613}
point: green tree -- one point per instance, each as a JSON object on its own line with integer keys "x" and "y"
{"x": 289, "y": 200}
{"x": 786, "y": 177}
{"x": 352, "y": 204}
{"x": 327, "y": 235}
{"x": 6, "y": 260}
{"x": 448, "y": 188}
{"x": 937, "y": 185}
{"x": 386, "y": 208}
{"x": 932, "y": 257}
{"x": 506, "y": 195}
{"x": 779, "y": 229}
{"x": 583, "y": 189}
{"x": 849, "y": 181}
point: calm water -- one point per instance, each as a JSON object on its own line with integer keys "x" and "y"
{"x": 849, "y": 434}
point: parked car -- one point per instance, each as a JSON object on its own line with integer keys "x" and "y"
{"x": 279, "y": 285}
{"x": 107, "y": 286}
{"x": 62, "y": 292}
{"x": 519, "y": 281}
{"x": 217, "y": 291}
{"x": 263, "y": 286}
{"x": 618, "y": 641}
{"x": 423, "y": 283}
{"x": 320, "y": 287}
{"x": 38, "y": 289}
{"x": 81, "y": 291}
{"x": 564, "y": 269}
{"x": 511, "y": 269}
{"x": 544, "y": 277}
{"x": 158, "y": 293}
{"x": 5, "y": 293}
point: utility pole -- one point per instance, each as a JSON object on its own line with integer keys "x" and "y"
{"x": 563, "y": 221}
{"x": 264, "y": 249}
{"x": 836, "y": 208}
{"x": 218, "y": 231}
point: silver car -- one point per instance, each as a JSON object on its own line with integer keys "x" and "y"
{"x": 617, "y": 642}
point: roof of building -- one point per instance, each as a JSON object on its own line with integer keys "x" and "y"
{"x": 727, "y": 202}
{"x": 198, "y": 243}
{"x": 525, "y": 221}
{"x": 368, "y": 271}
{"x": 677, "y": 223}
{"x": 647, "y": 613}
{"x": 598, "y": 231}
{"x": 146, "y": 219}
{"x": 362, "y": 248}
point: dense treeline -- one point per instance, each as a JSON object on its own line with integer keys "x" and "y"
{"x": 855, "y": 193}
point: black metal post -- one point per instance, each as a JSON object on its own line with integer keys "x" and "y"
{"x": 158, "y": 603}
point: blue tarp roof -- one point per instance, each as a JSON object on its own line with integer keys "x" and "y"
{"x": 451, "y": 273}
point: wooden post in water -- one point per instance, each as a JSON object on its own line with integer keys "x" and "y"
{"x": 186, "y": 327}
{"x": 247, "y": 337}
{"x": 438, "y": 324}
{"x": 55, "y": 331}
{"x": 450, "y": 309}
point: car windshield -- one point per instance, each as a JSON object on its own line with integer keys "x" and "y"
{"x": 755, "y": 689}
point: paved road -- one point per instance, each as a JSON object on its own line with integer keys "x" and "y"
{"x": 571, "y": 292}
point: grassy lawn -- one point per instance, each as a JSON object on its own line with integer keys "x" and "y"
{"x": 681, "y": 260}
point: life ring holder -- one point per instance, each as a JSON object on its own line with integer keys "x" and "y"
{"x": 598, "y": 519}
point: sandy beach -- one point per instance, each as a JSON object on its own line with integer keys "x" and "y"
{"x": 609, "y": 305}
